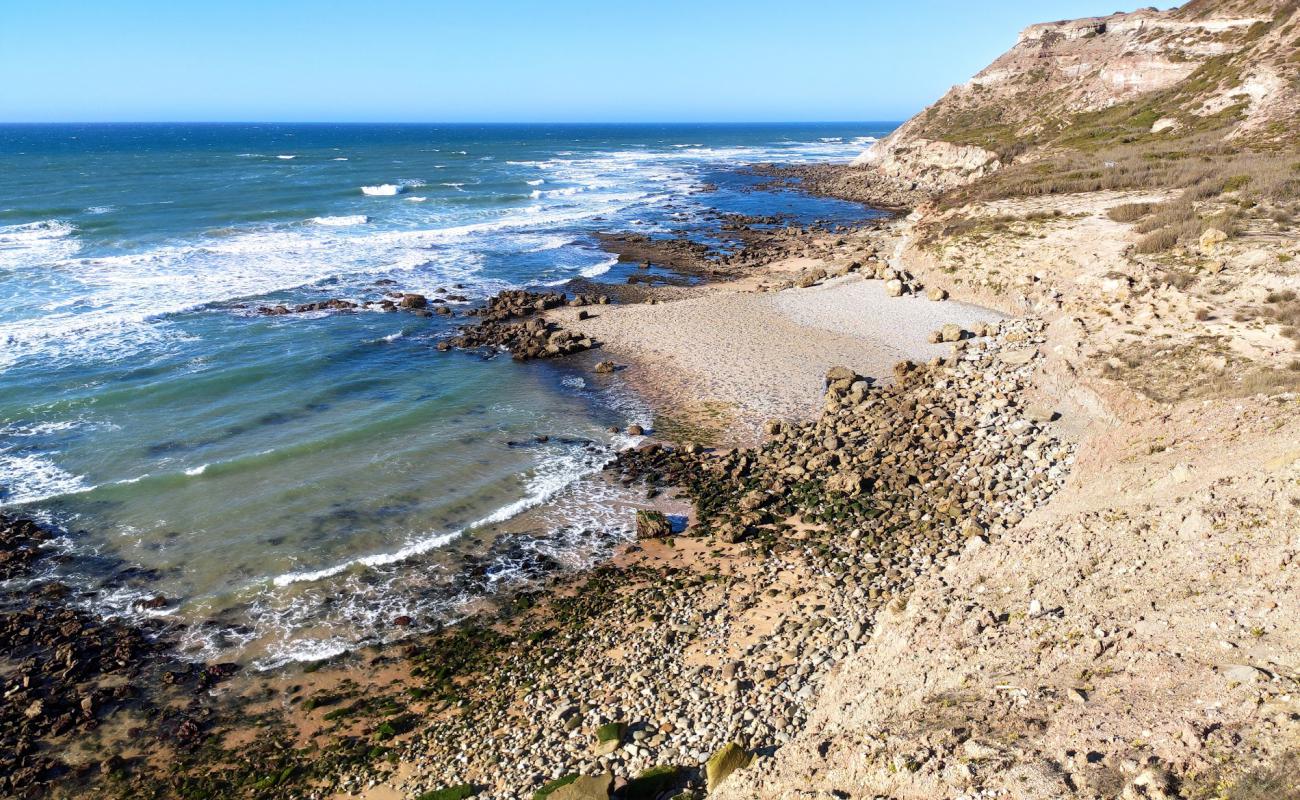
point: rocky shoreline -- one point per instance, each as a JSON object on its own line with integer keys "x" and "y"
{"x": 874, "y": 493}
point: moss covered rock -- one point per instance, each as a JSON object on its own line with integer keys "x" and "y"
{"x": 727, "y": 760}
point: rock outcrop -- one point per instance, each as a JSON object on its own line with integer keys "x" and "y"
{"x": 1218, "y": 66}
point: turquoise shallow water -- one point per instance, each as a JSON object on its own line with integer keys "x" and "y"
{"x": 292, "y": 484}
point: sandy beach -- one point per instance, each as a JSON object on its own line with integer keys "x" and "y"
{"x": 761, "y": 355}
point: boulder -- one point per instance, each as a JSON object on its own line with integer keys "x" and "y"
{"x": 952, "y": 333}
{"x": 724, "y": 762}
{"x": 652, "y": 525}
{"x": 413, "y": 301}
{"x": 585, "y": 787}
{"x": 651, "y": 783}
{"x": 845, "y": 482}
{"x": 936, "y": 293}
{"x": 894, "y": 288}
{"x": 604, "y": 368}
{"x": 1212, "y": 238}
{"x": 635, "y": 430}
{"x": 836, "y": 374}
{"x": 811, "y": 278}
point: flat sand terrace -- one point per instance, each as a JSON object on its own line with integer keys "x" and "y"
{"x": 765, "y": 355}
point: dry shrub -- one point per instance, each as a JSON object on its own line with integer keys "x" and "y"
{"x": 1157, "y": 241}
{"x": 1130, "y": 212}
{"x": 1277, "y": 781}
{"x": 1200, "y": 163}
{"x": 1180, "y": 213}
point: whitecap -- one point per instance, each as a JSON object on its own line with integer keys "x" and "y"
{"x": 340, "y": 158}
{"x": 537, "y": 182}
{"x": 409, "y": 551}
{"x": 339, "y": 221}
{"x": 383, "y": 190}
{"x": 456, "y": 186}
{"x": 416, "y": 199}
{"x": 599, "y": 269}
{"x": 286, "y": 158}
{"x": 97, "y": 210}
{"x": 199, "y": 470}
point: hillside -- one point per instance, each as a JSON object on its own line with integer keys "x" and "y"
{"x": 1203, "y": 75}
{"x": 1132, "y": 182}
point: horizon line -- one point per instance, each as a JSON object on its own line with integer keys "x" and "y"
{"x": 456, "y": 122}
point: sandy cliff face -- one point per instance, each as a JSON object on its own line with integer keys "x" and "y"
{"x": 1207, "y": 65}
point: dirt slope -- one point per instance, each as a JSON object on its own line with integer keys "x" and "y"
{"x": 1137, "y": 636}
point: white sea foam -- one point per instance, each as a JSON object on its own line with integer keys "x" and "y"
{"x": 537, "y": 182}
{"x": 416, "y": 199}
{"x": 601, "y": 268}
{"x": 35, "y": 243}
{"x": 568, "y": 191}
{"x": 97, "y": 210}
{"x": 555, "y": 473}
{"x": 33, "y": 477}
{"x": 543, "y": 242}
{"x": 457, "y": 186}
{"x": 199, "y": 470}
{"x": 340, "y": 158}
{"x": 413, "y": 549}
{"x": 286, "y": 158}
{"x": 340, "y": 221}
{"x": 39, "y": 428}
{"x": 383, "y": 190}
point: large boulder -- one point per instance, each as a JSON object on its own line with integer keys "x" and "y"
{"x": 585, "y": 787}
{"x": 652, "y": 525}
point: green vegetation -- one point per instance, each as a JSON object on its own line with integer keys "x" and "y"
{"x": 610, "y": 732}
{"x": 550, "y": 787}
{"x": 651, "y": 783}
{"x": 450, "y": 793}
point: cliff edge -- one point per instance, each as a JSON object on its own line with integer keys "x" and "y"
{"x": 1210, "y": 71}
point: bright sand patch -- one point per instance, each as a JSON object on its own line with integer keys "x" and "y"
{"x": 765, "y": 355}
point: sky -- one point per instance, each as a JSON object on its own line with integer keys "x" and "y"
{"x": 498, "y": 60}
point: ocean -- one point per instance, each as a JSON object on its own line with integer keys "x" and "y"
{"x": 290, "y": 486}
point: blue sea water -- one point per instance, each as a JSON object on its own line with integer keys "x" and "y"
{"x": 293, "y": 484}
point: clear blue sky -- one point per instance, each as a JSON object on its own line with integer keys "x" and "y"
{"x": 498, "y": 60}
